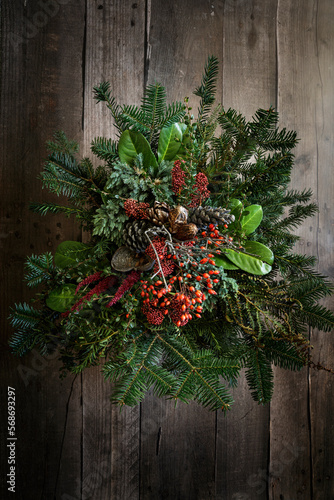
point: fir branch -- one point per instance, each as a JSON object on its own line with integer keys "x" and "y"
{"x": 54, "y": 208}
{"x": 105, "y": 149}
{"x": 102, "y": 93}
{"x": 25, "y": 317}
{"x": 38, "y": 269}
{"x": 259, "y": 376}
{"x": 207, "y": 90}
{"x": 22, "y": 341}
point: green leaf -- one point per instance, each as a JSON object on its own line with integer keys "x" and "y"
{"x": 62, "y": 298}
{"x": 259, "y": 250}
{"x": 235, "y": 206}
{"x": 170, "y": 140}
{"x": 225, "y": 263}
{"x": 68, "y": 253}
{"x": 251, "y": 218}
{"x": 186, "y": 140}
{"x": 131, "y": 144}
{"x": 248, "y": 263}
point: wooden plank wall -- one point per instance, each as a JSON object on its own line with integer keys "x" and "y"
{"x": 72, "y": 445}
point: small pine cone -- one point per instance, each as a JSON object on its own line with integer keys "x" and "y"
{"x": 185, "y": 232}
{"x": 158, "y": 214}
{"x": 203, "y": 216}
{"x": 135, "y": 237}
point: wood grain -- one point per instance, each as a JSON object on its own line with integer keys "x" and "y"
{"x": 42, "y": 52}
{"x": 301, "y": 406}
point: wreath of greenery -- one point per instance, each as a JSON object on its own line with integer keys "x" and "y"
{"x": 190, "y": 274}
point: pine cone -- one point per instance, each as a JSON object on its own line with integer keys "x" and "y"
{"x": 203, "y": 216}
{"x": 158, "y": 214}
{"x": 135, "y": 237}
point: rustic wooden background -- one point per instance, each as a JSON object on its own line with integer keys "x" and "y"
{"x": 72, "y": 445}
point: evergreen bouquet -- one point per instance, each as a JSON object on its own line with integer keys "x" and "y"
{"x": 190, "y": 273}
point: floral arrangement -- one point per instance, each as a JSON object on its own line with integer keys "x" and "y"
{"x": 190, "y": 273}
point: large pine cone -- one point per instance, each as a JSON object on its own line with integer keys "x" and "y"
{"x": 135, "y": 237}
{"x": 203, "y": 216}
{"x": 158, "y": 214}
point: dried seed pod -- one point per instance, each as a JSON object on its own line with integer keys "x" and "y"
{"x": 178, "y": 215}
{"x": 125, "y": 259}
{"x": 143, "y": 262}
{"x": 185, "y": 232}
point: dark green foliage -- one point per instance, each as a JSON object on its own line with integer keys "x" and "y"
{"x": 105, "y": 149}
{"x": 39, "y": 268}
{"x": 207, "y": 90}
{"x": 195, "y": 373}
{"x": 24, "y": 316}
{"x": 129, "y": 182}
{"x": 259, "y": 376}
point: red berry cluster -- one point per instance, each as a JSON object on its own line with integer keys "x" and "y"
{"x": 160, "y": 248}
{"x": 184, "y": 296}
{"x": 178, "y": 177}
{"x": 179, "y": 313}
{"x": 153, "y": 310}
{"x": 154, "y": 316}
{"x": 136, "y": 209}
{"x": 201, "y": 191}
{"x": 167, "y": 267}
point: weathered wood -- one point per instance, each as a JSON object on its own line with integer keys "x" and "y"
{"x": 114, "y": 52}
{"x": 41, "y": 48}
{"x": 249, "y": 83}
{"x": 322, "y": 384}
{"x": 181, "y": 36}
{"x": 249, "y": 55}
{"x": 300, "y": 408}
{"x": 177, "y": 451}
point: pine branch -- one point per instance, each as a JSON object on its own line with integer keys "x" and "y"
{"x": 259, "y": 376}
{"x": 38, "y": 269}
{"x": 22, "y": 341}
{"x": 207, "y": 90}
{"x": 54, "y": 208}
{"x": 102, "y": 93}
{"x": 154, "y": 107}
{"x": 105, "y": 149}
{"x": 284, "y": 355}
{"x": 24, "y": 316}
